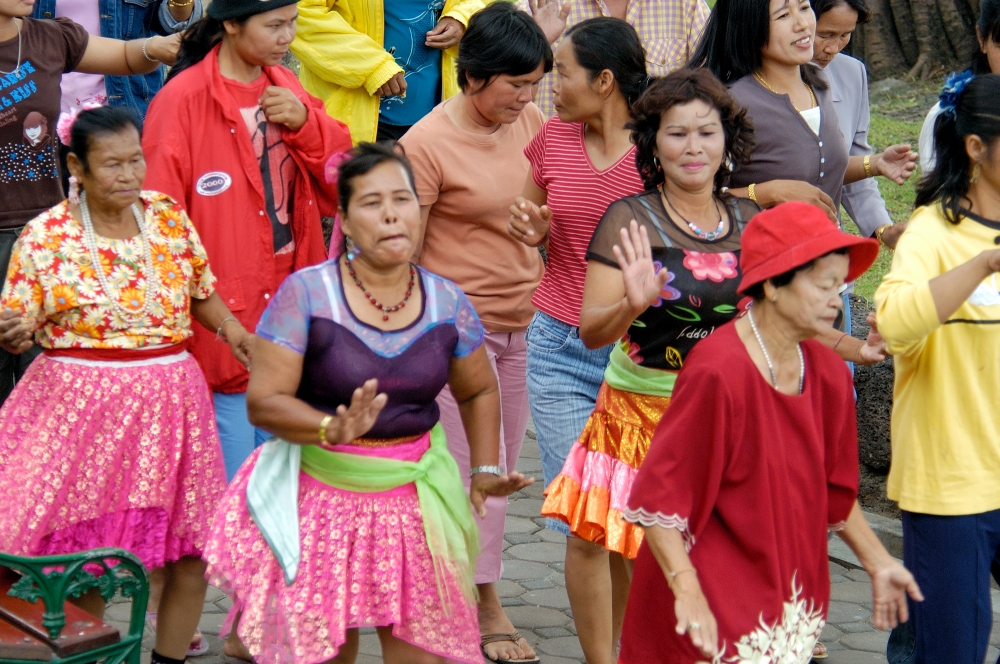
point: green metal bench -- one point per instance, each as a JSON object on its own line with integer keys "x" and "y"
{"x": 57, "y": 631}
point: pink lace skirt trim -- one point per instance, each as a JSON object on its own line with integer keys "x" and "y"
{"x": 92, "y": 456}
{"x": 365, "y": 563}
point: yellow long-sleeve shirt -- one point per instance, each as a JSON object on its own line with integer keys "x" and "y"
{"x": 945, "y": 416}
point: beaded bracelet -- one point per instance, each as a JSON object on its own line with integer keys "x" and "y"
{"x": 144, "y": 50}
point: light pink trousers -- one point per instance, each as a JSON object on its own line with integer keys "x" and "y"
{"x": 508, "y": 355}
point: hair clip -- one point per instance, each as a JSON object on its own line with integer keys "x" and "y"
{"x": 954, "y": 86}
{"x": 64, "y": 126}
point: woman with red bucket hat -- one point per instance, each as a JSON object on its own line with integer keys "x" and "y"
{"x": 753, "y": 462}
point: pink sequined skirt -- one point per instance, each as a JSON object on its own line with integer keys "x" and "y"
{"x": 364, "y": 563}
{"x": 120, "y": 454}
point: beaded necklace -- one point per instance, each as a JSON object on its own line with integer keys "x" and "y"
{"x": 710, "y": 236}
{"x": 90, "y": 239}
{"x": 375, "y": 303}
{"x": 767, "y": 358}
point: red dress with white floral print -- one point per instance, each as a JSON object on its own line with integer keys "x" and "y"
{"x": 52, "y": 282}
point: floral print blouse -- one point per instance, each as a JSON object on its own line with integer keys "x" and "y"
{"x": 702, "y": 276}
{"x": 52, "y": 280}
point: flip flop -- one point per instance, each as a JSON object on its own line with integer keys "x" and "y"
{"x": 199, "y": 644}
{"x": 513, "y": 637}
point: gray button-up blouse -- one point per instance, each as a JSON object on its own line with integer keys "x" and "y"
{"x": 786, "y": 148}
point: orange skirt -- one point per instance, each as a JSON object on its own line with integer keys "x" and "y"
{"x": 591, "y": 492}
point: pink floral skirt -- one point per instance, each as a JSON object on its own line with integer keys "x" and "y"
{"x": 364, "y": 563}
{"x": 120, "y": 454}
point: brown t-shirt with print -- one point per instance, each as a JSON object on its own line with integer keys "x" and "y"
{"x": 29, "y": 111}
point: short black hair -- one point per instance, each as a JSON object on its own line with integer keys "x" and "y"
{"x": 362, "y": 159}
{"x": 735, "y": 36}
{"x": 821, "y": 7}
{"x": 610, "y": 43}
{"x": 98, "y": 122}
{"x": 501, "y": 40}
{"x": 757, "y": 290}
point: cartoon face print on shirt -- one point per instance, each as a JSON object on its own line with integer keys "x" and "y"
{"x": 36, "y": 131}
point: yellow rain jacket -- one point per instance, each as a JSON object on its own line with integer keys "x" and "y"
{"x": 339, "y": 44}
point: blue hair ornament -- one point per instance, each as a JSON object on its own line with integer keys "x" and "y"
{"x": 954, "y": 86}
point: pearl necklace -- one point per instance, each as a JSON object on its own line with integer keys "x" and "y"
{"x": 767, "y": 358}
{"x": 90, "y": 238}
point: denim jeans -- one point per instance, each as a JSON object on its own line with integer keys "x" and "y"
{"x": 952, "y": 558}
{"x": 12, "y": 367}
{"x": 563, "y": 379}
{"x": 238, "y": 437}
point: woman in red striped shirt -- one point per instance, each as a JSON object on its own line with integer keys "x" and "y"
{"x": 581, "y": 162}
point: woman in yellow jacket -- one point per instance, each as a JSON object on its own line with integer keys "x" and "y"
{"x": 380, "y": 66}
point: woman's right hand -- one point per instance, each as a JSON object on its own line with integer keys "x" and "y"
{"x": 776, "y": 192}
{"x": 164, "y": 49}
{"x": 529, "y": 223}
{"x": 394, "y": 87}
{"x": 357, "y": 419}
{"x": 694, "y": 617}
{"x": 643, "y": 283}
{"x": 15, "y": 333}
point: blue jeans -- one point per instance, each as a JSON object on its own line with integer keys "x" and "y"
{"x": 951, "y": 558}
{"x": 238, "y": 437}
{"x": 564, "y": 377}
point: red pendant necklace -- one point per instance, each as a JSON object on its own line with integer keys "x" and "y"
{"x": 375, "y": 303}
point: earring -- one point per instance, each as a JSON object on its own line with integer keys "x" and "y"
{"x": 974, "y": 178}
{"x": 656, "y": 162}
{"x": 774, "y": 298}
{"x": 351, "y": 248}
{"x": 74, "y": 190}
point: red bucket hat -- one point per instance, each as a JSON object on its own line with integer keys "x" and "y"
{"x": 791, "y": 235}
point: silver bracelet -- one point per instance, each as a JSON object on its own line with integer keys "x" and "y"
{"x": 144, "y": 50}
{"x": 492, "y": 470}
{"x": 219, "y": 336}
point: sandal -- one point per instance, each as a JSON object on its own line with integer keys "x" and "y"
{"x": 819, "y": 651}
{"x": 199, "y": 644}
{"x": 513, "y": 637}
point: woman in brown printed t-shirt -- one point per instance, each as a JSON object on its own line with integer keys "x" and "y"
{"x": 34, "y": 54}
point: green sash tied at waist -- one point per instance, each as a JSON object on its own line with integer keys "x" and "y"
{"x": 452, "y": 536}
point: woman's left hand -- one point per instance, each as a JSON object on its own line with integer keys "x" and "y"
{"x": 240, "y": 341}
{"x": 15, "y": 334}
{"x": 897, "y": 163}
{"x": 891, "y": 584}
{"x": 164, "y": 49}
{"x": 281, "y": 106}
{"x": 445, "y": 34}
{"x": 874, "y": 350}
{"x": 488, "y": 484}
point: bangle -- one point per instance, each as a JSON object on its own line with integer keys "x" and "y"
{"x": 219, "y": 336}
{"x": 144, "y": 50}
{"x": 752, "y": 192}
{"x": 324, "y": 423}
{"x": 171, "y": 3}
{"x": 492, "y": 470}
{"x": 879, "y": 232}
{"x": 868, "y": 165}
{"x": 672, "y": 575}
{"x": 839, "y": 340}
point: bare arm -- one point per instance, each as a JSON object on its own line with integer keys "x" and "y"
{"x": 774, "y": 192}
{"x": 953, "y": 288}
{"x": 273, "y": 406}
{"x": 690, "y": 606}
{"x": 891, "y": 582}
{"x": 474, "y": 386}
{"x": 897, "y": 163}
{"x": 113, "y": 57}
{"x": 211, "y": 312}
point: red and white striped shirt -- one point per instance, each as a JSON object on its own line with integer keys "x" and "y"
{"x": 578, "y": 195}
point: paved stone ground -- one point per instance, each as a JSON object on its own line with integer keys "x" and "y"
{"x": 533, "y": 590}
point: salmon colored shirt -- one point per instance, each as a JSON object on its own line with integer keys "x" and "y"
{"x": 470, "y": 181}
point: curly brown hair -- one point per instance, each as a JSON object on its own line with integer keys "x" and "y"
{"x": 681, "y": 87}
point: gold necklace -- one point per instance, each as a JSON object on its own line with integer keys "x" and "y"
{"x": 812, "y": 96}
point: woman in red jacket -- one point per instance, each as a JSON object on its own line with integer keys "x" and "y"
{"x": 237, "y": 141}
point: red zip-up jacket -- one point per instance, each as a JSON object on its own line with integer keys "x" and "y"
{"x": 198, "y": 151}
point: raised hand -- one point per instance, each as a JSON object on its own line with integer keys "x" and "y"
{"x": 897, "y": 163}
{"x": 529, "y": 223}
{"x": 445, "y": 34}
{"x": 550, "y": 15}
{"x": 643, "y": 282}
{"x": 281, "y": 106}
{"x": 355, "y": 421}
{"x": 164, "y": 49}
{"x": 487, "y": 484}
{"x": 15, "y": 333}
{"x": 890, "y": 586}
{"x": 875, "y": 349}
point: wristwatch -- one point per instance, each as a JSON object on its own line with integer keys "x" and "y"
{"x": 492, "y": 470}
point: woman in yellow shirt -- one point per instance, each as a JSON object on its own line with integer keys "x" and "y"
{"x": 939, "y": 311}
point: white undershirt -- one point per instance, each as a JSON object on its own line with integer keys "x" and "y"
{"x": 812, "y": 118}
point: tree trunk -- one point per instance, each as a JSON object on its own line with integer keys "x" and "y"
{"x": 918, "y": 38}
